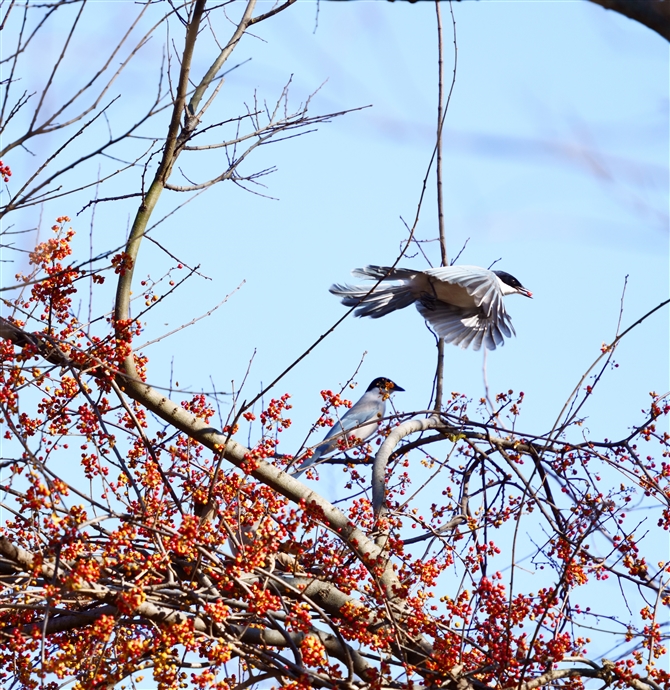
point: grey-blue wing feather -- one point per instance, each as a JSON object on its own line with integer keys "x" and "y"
{"x": 362, "y": 419}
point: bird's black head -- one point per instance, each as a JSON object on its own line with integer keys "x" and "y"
{"x": 385, "y": 385}
{"x": 513, "y": 283}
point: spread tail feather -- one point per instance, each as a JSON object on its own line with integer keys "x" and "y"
{"x": 382, "y": 301}
{"x": 384, "y": 273}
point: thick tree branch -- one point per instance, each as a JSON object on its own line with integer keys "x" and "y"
{"x": 654, "y": 14}
{"x": 411, "y": 426}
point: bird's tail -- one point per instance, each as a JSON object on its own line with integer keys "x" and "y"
{"x": 384, "y": 273}
{"x": 385, "y": 298}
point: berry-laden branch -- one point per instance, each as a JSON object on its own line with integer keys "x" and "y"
{"x": 289, "y": 597}
{"x": 129, "y": 379}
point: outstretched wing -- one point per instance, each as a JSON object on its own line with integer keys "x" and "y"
{"x": 467, "y": 327}
{"x": 481, "y": 285}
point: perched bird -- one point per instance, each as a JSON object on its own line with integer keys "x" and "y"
{"x": 360, "y": 421}
{"x": 463, "y": 304}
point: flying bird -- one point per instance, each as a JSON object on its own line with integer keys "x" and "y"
{"x": 463, "y": 304}
{"x": 360, "y": 421}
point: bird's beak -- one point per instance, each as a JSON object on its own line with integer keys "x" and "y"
{"x": 525, "y": 293}
{"x": 398, "y": 389}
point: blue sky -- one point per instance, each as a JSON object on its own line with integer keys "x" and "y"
{"x": 556, "y": 163}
